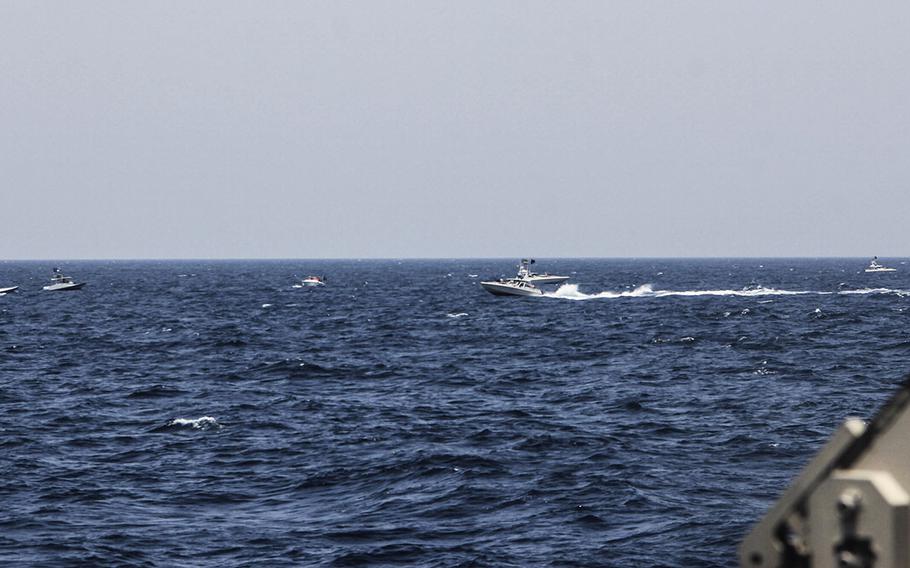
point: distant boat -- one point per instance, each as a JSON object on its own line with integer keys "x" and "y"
{"x": 511, "y": 287}
{"x": 8, "y": 290}
{"x": 61, "y": 283}
{"x": 876, "y": 266}
{"x": 313, "y": 281}
{"x": 524, "y": 273}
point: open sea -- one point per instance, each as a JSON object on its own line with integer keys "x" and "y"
{"x": 209, "y": 413}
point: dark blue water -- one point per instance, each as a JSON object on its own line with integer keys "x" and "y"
{"x": 210, "y": 414}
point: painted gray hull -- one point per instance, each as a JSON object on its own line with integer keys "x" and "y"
{"x": 64, "y": 287}
{"x": 506, "y": 289}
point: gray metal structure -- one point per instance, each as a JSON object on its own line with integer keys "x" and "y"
{"x": 850, "y": 506}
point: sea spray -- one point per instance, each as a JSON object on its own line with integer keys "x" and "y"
{"x": 572, "y": 292}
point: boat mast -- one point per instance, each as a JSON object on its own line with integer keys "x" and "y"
{"x": 523, "y": 270}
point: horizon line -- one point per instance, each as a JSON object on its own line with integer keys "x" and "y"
{"x": 420, "y": 258}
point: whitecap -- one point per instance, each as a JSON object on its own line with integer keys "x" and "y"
{"x": 457, "y": 315}
{"x": 266, "y": 305}
{"x": 201, "y": 423}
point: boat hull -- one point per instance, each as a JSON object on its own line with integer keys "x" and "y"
{"x": 64, "y": 287}
{"x": 8, "y": 290}
{"x": 501, "y": 289}
{"x": 881, "y": 270}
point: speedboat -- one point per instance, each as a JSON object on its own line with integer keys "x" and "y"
{"x": 876, "y": 266}
{"x": 8, "y": 290}
{"x": 524, "y": 273}
{"x": 313, "y": 281}
{"x": 511, "y": 287}
{"x": 61, "y": 283}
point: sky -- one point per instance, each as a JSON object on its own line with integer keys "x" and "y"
{"x": 392, "y": 129}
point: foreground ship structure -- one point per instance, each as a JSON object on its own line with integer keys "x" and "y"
{"x": 850, "y": 506}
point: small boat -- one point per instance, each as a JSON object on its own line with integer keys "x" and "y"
{"x": 511, "y": 287}
{"x": 313, "y": 281}
{"x": 8, "y": 290}
{"x": 524, "y": 273}
{"x": 876, "y": 266}
{"x": 61, "y": 283}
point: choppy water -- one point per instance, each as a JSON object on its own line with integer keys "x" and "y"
{"x": 210, "y": 414}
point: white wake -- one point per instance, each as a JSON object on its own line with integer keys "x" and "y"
{"x": 571, "y": 292}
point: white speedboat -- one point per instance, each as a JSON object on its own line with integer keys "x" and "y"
{"x": 524, "y": 273}
{"x": 61, "y": 283}
{"x": 511, "y": 287}
{"x": 876, "y": 266}
{"x": 8, "y": 290}
{"x": 313, "y": 281}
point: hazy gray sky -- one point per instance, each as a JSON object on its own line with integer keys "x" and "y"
{"x": 157, "y": 129}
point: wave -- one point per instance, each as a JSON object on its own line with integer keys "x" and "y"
{"x": 296, "y": 368}
{"x": 156, "y": 391}
{"x": 571, "y": 292}
{"x": 201, "y": 423}
{"x": 457, "y": 315}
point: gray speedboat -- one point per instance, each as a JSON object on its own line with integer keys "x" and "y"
{"x": 511, "y": 287}
{"x": 61, "y": 283}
